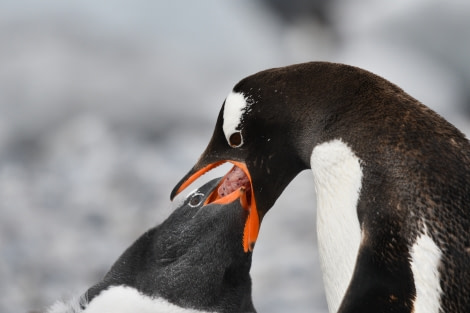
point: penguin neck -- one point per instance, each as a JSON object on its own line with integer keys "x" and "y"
{"x": 337, "y": 175}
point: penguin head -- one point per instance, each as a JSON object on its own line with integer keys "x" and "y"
{"x": 266, "y": 128}
{"x": 194, "y": 259}
{"x": 271, "y": 121}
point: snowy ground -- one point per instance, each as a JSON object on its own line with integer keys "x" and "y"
{"x": 105, "y": 106}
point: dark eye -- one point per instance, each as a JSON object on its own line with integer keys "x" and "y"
{"x": 236, "y": 139}
{"x": 195, "y": 200}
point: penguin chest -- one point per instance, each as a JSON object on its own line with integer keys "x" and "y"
{"x": 337, "y": 175}
{"x": 123, "y": 299}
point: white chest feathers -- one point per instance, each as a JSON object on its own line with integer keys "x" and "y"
{"x": 338, "y": 175}
{"x": 121, "y": 299}
{"x": 425, "y": 261}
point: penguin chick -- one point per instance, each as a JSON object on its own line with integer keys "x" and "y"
{"x": 192, "y": 262}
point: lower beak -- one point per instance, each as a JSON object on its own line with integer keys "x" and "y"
{"x": 244, "y": 193}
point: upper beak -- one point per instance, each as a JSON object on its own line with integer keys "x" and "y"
{"x": 196, "y": 172}
{"x": 245, "y": 195}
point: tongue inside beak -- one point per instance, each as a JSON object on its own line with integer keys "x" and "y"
{"x": 236, "y": 184}
{"x": 234, "y": 180}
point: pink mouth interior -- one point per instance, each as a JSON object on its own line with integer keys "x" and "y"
{"x": 232, "y": 181}
{"x": 236, "y": 184}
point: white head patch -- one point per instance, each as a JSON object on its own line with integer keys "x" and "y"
{"x": 235, "y": 105}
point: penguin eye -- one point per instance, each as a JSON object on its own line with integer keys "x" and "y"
{"x": 196, "y": 200}
{"x": 236, "y": 140}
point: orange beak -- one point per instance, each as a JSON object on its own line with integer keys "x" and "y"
{"x": 246, "y": 196}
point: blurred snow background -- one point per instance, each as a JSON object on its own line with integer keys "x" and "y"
{"x": 105, "y": 105}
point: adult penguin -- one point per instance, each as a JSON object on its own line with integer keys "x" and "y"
{"x": 191, "y": 263}
{"x": 392, "y": 181}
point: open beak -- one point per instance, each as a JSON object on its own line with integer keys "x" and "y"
{"x": 236, "y": 184}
